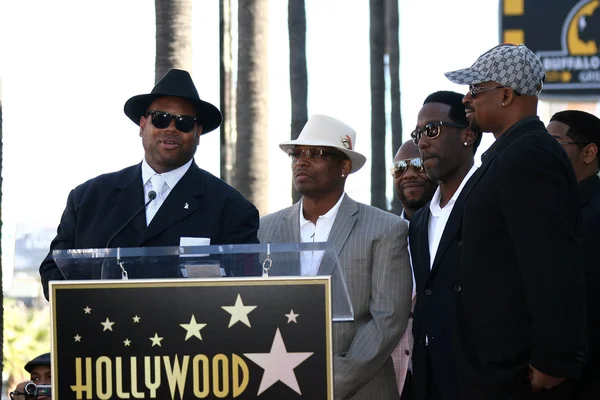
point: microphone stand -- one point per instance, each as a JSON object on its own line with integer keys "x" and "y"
{"x": 124, "y": 275}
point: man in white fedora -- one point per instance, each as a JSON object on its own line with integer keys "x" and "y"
{"x": 372, "y": 251}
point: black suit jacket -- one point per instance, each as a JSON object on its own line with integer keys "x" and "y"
{"x": 522, "y": 287}
{"x": 96, "y": 209}
{"x": 589, "y": 198}
{"x": 435, "y": 309}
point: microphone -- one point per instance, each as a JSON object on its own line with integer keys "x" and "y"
{"x": 151, "y": 196}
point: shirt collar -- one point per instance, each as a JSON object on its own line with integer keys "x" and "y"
{"x": 434, "y": 206}
{"x": 525, "y": 124}
{"x": 171, "y": 177}
{"x": 403, "y": 216}
{"x": 331, "y": 214}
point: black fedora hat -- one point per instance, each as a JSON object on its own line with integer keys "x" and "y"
{"x": 42, "y": 359}
{"x": 177, "y": 83}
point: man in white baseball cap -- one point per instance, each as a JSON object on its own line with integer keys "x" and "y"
{"x": 371, "y": 246}
{"x": 520, "y": 309}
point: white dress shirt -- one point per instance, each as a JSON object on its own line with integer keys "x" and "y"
{"x": 170, "y": 179}
{"x": 309, "y": 232}
{"x": 439, "y": 216}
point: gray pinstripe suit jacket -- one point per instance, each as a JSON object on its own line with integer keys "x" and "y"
{"x": 373, "y": 255}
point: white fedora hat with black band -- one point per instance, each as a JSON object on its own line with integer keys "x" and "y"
{"x": 324, "y": 131}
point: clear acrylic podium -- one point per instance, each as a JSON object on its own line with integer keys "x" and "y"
{"x": 214, "y": 262}
{"x": 225, "y": 321}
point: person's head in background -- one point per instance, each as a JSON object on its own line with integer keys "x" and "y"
{"x": 412, "y": 185}
{"x": 39, "y": 369}
{"x": 39, "y": 373}
{"x": 579, "y": 134}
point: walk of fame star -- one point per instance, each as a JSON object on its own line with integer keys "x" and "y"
{"x": 278, "y": 365}
{"x": 107, "y": 325}
{"x": 292, "y": 317}
{"x": 193, "y": 328}
{"x": 156, "y": 340}
{"x": 239, "y": 312}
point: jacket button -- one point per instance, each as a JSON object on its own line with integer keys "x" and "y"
{"x": 428, "y": 292}
{"x": 457, "y": 288}
{"x": 459, "y": 243}
{"x": 407, "y": 352}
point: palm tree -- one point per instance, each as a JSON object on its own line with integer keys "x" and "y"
{"x": 298, "y": 71}
{"x": 378, "y": 121}
{"x": 393, "y": 50}
{"x": 251, "y": 167}
{"x": 173, "y": 36}
{"x": 227, "y": 103}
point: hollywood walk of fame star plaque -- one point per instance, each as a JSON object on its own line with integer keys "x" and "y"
{"x": 235, "y": 338}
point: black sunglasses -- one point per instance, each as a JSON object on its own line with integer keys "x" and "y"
{"x": 399, "y": 167}
{"x": 162, "y": 119}
{"x": 432, "y": 130}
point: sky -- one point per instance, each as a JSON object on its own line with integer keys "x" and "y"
{"x": 68, "y": 66}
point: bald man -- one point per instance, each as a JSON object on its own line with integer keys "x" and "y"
{"x": 414, "y": 189}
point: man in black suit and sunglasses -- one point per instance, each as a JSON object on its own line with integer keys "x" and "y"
{"x": 447, "y": 147}
{"x": 521, "y": 318}
{"x": 182, "y": 200}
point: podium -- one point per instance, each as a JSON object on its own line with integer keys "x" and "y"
{"x": 225, "y": 321}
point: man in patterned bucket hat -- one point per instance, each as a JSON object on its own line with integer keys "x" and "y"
{"x": 511, "y": 66}
{"x": 520, "y": 323}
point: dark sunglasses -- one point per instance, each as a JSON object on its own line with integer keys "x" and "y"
{"x": 399, "y": 167}
{"x": 162, "y": 119}
{"x": 295, "y": 154}
{"x": 475, "y": 90}
{"x": 432, "y": 130}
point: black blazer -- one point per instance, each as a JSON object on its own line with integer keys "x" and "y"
{"x": 435, "y": 308}
{"x": 96, "y": 209}
{"x": 522, "y": 286}
{"x": 589, "y": 198}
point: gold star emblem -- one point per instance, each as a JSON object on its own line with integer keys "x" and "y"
{"x": 292, "y": 317}
{"x": 156, "y": 340}
{"x": 107, "y": 325}
{"x": 193, "y": 329}
{"x": 239, "y": 312}
{"x": 87, "y": 310}
{"x": 136, "y": 320}
{"x": 77, "y": 338}
{"x": 127, "y": 342}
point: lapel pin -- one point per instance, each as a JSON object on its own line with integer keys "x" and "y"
{"x": 187, "y": 206}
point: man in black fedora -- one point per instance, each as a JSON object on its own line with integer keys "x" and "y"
{"x": 185, "y": 204}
